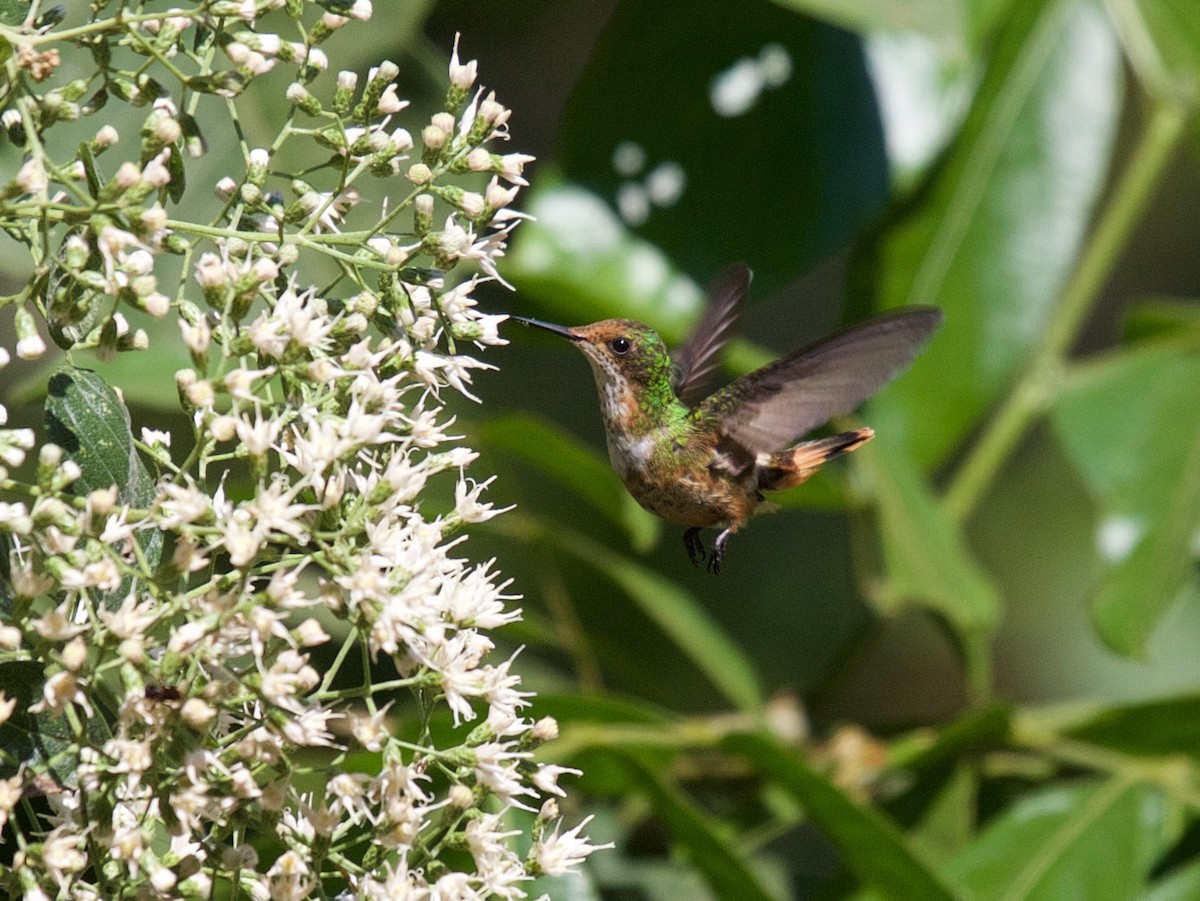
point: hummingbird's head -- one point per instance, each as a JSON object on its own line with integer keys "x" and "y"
{"x": 621, "y": 351}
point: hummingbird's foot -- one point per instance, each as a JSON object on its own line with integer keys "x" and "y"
{"x": 718, "y": 553}
{"x": 695, "y": 547}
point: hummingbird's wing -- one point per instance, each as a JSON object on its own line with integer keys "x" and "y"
{"x": 765, "y": 410}
{"x": 698, "y": 356}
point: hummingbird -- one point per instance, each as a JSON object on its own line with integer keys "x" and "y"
{"x": 701, "y": 460}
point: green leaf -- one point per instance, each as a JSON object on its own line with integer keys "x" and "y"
{"x": 872, "y": 848}
{"x": 678, "y": 613}
{"x": 1091, "y": 840}
{"x": 13, "y": 12}
{"x": 926, "y": 558}
{"x": 40, "y": 739}
{"x": 996, "y": 233}
{"x": 581, "y": 264}
{"x": 1163, "y": 727}
{"x": 1162, "y": 39}
{"x": 949, "y": 821}
{"x": 1131, "y": 425}
{"x": 596, "y": 709}
{"x": 578, "y": 467}
{"x": 709, "y": 848}
{"x": 87, "y": 419}
{"x": 939, "y": 19}
{"x": 1162, "y": 317}
{"x": 1183, "y": 884}
{"x": 980, "y": 731}
{"x": 784, "y": 170}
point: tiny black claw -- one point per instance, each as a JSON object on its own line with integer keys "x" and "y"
{"x": 695, "y": 547}
{"x": 718, "y": 554}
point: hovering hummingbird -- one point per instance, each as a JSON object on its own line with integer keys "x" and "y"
{"x": 701, "y": 461}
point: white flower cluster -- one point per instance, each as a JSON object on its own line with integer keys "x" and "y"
{"x": 224, "y": 661}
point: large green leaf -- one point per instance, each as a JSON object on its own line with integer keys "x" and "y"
{"x": 995, "y": 234}
{"x": 940, "y": 19}
{"x": 764, "y": 120}
{"x": 87, "y": 419}
{"x": 926, "y": 558}
{"x": 1182, "y": 884}
{"x": 1131, "y": 425}
{"x": 575, "y": 465}
{"x": 871, "y": 847}
{"x": 581, "y": 263}
{"x": 1091, "y": 840}
{"x": 680, "y": 616}
{"x": 1162, "y": 727}
{"x": 708, "y": 846}
{"x": 1162, "y": 39}
{"x": 40, "y": 739}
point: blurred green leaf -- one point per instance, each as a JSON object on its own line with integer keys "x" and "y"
{"x": 87, "y": 419}
{"x": 949, "y": 821}
{"x": 1162, "y": 727}
{"x": 1091, "y": 840}
{"x": 996, "y": 232}
{"x": 677, "y": 612}
{"x": 575, "y": 465}
{"x": 708, "y": 847}
{"x": 1131, "y": 425}
{"x": 979, "y": 731}
{"x": 926, "y": 558}
{"x": 924, "y": 88}
{"x": 872, "y": 848}
{"x": 1162, "y": 39}
{"x": 29, "y": 739}
{"x": 1162, "y": 317}
{"x": 581, "y": 263}
{"x": 1182, "y": 884}
{"x": 940, "y": 19}
{"x": 759, "y": 141}
{"x": 593, "y": 709}
{"x": 13, "y": 12}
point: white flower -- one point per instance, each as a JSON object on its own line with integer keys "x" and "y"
{"x": 462, "y": 75}
{"x": 290, "y": 878}
{"x": 557, "y": 855}
{"x": 546, "y": 776}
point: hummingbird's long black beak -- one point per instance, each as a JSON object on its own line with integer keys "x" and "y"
{"x": 548, "y": 326}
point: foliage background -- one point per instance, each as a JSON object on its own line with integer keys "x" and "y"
{"x": 1001, "y": 590}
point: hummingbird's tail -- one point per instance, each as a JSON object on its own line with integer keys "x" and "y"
{"x": 791, "y": 467}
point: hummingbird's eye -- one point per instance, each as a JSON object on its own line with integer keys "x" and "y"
{"x": 620, "y": 346}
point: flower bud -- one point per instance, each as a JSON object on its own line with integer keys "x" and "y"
{"x": 420, "y": 174}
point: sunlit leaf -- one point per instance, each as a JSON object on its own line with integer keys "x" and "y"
{"x": 759, "y": 141}
{"x": 994, "y": 236}
{"x": 1131, "y": 425}
{"x": 1091, "y": 840}
{"x": 581, "y": 264}
{"x": 1162, "y": 39}
{"x": 942, "y": 19}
